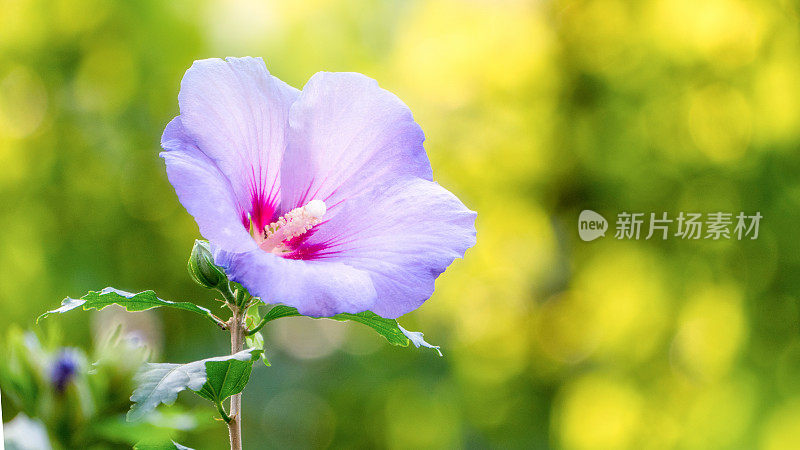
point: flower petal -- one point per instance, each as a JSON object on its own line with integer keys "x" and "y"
{"x": 317, "y": 289}
{"x": 404, "y": 234}
{"x": 236, "y": 113}
{"x": 346, "y": 135}
{"x": 203, "y": 190}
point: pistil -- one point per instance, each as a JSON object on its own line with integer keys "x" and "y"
{"x": 291, "y": 225}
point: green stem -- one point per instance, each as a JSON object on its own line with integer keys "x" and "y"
{"x": 220, "y": 323}
{"x": 227, "y": 294}
{"x": 222, "y": 413}
{"x": 236, "y": 327}
{"x": 257, "y": 327}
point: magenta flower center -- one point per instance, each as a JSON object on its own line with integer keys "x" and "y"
{"x": 278, "y": 236}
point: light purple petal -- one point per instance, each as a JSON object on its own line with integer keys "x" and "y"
{"x": 202, "y": 189}
{"x": 404, "y": 234}
{"x": 249, "y": 147}
{"x": 318, "y": 289}
{"x": 345, "y": 136}
{"x": 236, "y": 113}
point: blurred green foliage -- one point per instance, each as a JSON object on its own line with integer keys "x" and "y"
{"x": 533, "y": 111}
{"x": 81, "y": 399}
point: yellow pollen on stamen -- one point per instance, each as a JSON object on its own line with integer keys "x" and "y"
{"x": 292, "y": 224}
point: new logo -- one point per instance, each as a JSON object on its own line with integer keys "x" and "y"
{"x": 591, "y": 225}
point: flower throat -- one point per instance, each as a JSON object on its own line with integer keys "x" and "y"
{"x": 275, "y": 237}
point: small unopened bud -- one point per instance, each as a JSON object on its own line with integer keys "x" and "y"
{"x": 202, "y": 268}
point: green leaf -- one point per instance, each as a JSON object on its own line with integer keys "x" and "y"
{"x": 279, "y": 311}
{"x": 418, "y": 341}
{"x": 161, "y": 383}
{"x": 252, "y": 317}
{"x": 141, "y": 301}
{"x": 388, "y": 328}
{"x": 227, "y": 377}
{"x": 256, "y": 342}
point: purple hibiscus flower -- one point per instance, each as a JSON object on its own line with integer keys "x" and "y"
{"x": 322, "y": 199}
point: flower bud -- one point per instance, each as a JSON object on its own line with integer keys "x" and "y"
{"x": 63, "y": 370}
{"x": 202, "y": 268}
